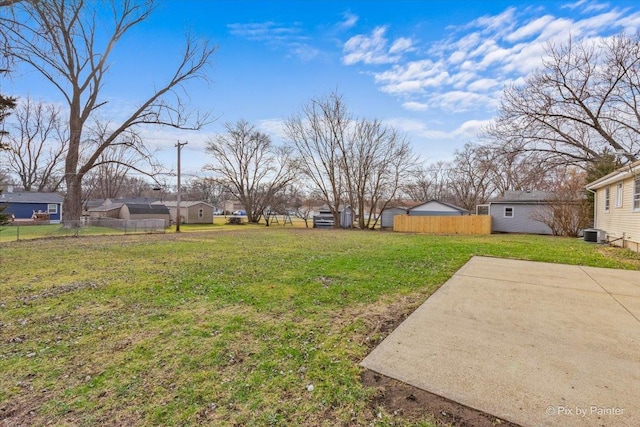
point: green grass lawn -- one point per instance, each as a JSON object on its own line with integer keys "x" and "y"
{"x": 231, "y": 327}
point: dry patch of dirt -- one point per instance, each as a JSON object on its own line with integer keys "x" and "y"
{"x": 412, "y": 403}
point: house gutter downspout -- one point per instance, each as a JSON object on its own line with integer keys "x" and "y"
{"x": 595, "y": 207}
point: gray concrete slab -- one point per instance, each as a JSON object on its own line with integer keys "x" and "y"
{"x": 537, "y": 344}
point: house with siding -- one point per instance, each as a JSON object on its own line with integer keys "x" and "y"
{"x": 386, "y": 216}
{"x": 28, "y": 206}
{"x": 519, "y": 212}
{"x": 436, "y": 208}
{"x": 617, "y": 206}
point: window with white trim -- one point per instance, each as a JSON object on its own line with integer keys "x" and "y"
{"x": 636, "y": 194}
{"x": 607, "y": 198}
{"x": 508, "y": 212}
{"x": 619, "y": 189}
{"x": 52, "y": 208}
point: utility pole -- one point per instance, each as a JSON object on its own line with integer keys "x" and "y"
{"x": 179, "y": 145}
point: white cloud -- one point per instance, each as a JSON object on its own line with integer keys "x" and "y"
{"x": 532, "y": 28}
{"x": 483, "y": 85}
{"x": 400, "y": 45}
{"x": 415, "y": 106}
{"x": 585, "y": 6}
{"x": 372, "y": 48}
{"x": 470, "y": 129}
{"x": 418, "y": 128}
{"x": 457, "y": 101}
{"x": 349, "y": 21}
{"x": 288, "y": 37}
{"x": 272, "y": 127}
{"x": 263, "y": 31}
{"x": 467, "y": 68}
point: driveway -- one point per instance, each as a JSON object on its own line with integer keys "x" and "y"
{"x": 534, "y": 343}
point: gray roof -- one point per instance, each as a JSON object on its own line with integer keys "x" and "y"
{"x": 140, "y": 208}
{"x": 183, "y": 203}
{"x": 31, "y": 197}
{"x": 106, "y": 207}
{"x": 449, "y": 205}
{"x": 525, "y": 197}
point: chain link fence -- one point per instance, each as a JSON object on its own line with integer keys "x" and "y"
{"x": 87, "y": 227}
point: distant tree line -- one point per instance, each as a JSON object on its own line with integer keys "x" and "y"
{"x": 573, "y": 120}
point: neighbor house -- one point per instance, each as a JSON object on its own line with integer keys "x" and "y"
{"x": 387, "y": 214}
{"x": 520, "y": 212}
{"x": 130, "y": 211}
{"x": 29, "y": 206}
{"x": 190, "y": 212}
{"x": 436, "y": 208}
{"x": 617, "y": 206}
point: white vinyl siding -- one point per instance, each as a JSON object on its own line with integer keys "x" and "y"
{"x": 636, "y": 194}
{"x": 621, "y": 221}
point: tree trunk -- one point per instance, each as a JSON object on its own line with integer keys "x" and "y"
{"x": 73, "y": 201}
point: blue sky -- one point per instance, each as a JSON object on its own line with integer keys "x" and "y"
{"x": 434, "y": 69}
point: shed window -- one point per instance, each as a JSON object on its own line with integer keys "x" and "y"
{"x": 200, "y": 213}
{"x": 52, "y": 208}
{"x": 636, "y": 194}
{"x": 607, "y": 198}
{"x": 619, "y": 195}
{"x": 508, "y": 212}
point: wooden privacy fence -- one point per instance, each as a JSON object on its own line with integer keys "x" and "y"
{"x": 467, "y": 224}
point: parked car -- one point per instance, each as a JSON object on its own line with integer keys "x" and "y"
{"x": 240, "y": 212}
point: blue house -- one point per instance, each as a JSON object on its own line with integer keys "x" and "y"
{"x": 26, "y": 204}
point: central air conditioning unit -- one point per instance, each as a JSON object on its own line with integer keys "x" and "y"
{"x": 594, "y": 235}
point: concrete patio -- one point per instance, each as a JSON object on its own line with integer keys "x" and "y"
{"x": 534, "y": 343}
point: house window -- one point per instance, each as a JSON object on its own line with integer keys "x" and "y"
{"x": 636, "y": 194}
{"x": 508, "y": 212}
{"x": 607, "y": 199}
{"x": 619, "y": 195}
{"x": 200, "y": 213}
{"x": 52, "y": 208}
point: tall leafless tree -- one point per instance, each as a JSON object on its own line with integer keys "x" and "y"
{"x": 430, "y": 182}
{"x": 317, "y": 133}
{"x": 584, "y": 102}
{"x": 69, "y": 44}
{"x": 570, "y": 210}
{"x": 362, "y": 162}
{"x": 253, "y": 167}
{"x": 470, "y": 178}
{"x": 377, "y": 160}
{"x": 37, "y": 145}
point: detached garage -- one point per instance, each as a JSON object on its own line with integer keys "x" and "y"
{"x": 195, "y": 212}
{"x": 436, "y": 208}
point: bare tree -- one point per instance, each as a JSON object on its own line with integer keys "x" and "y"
{"x": 570, "y": 210}
{"x": 583, "y": 102}
{"x": 60, "y": 41}
{"x": 377, "y": 159}
{"x": 254, "y": 168}
{"x": 359, "y": 162}
{"x": 429, "y": 183}
{"x": 37, "y": 146}
{"x": 211, "y": 190}
{"x": 317, "y": 133}
{"x": 470, "y": 178}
